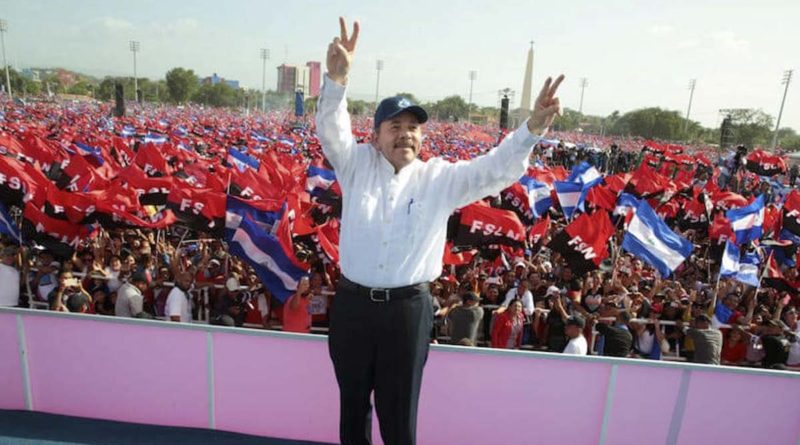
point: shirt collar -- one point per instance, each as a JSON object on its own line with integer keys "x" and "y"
{"x": 388, "y": 168}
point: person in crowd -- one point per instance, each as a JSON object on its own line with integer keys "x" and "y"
{"x": 617, "y": 338}
{"x": 464, "y": 319}
{"x": 179, "y": 301}
{"x": 229, "y": 310}
{"x": 295, "y": 310}
{"x": 69, "y": 293}
{"x": 734, "y": 347}
{"x": 521, "y": 293}
{"x": 707, "y": 340}
{"x": 508, "y": 325}
{"x": 776, "y": 345}
{"x": 9, "y": 277}
{"x": 130, "y": 300}
{"x": 577, "y": 344}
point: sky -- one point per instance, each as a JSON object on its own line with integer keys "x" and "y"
{"x": 634, "y": 54}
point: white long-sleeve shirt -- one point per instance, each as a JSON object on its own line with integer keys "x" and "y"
{"x": 394, "y": 225}
{"x": 527, "y": 300}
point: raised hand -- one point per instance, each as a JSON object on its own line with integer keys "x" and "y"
{"x": 340, "y": 53}
{"x": 546, "y": 108}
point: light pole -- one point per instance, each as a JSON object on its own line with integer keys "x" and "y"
{"x": 584, "y": 84}
{"x": 692, "y": 84}
{"x": 472, "y": 76}
{"x": 3, "y": 29}
{"x": 264, "y": 57}
{"x": 787, "y": 78}
{"x": 378, "y": 68}
{"x": 134, "y": 45}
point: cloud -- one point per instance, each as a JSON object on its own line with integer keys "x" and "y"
{"x": 115, "y": 24}
{"x": 661, "y": 30}
{"x": 728, "y": 40}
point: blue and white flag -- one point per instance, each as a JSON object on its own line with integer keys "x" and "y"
{"x": 568, "y": 193}
{"x": 744, "y": 270}
{"x": 585, "y": 173}
{"x": 155, "y": 138}
{"x": 238, "y": 209}
{"x": 264, "y": 253}
{"x": 241, "y": 160}
{"x": 319, "y": 179}
{"x": 539, "y": 198}
{"x": 649, "y": 238}
{"x": 747, "y": 222}
{"x": 259, "y": 137}
{"x": 128, "y": 131}
{"x": 626, "y": 203}
{"x": 8, "y": 226}
{"x": 94, "y": 152}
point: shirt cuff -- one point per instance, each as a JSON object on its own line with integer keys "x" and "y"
{"x": 523, "y": 137}
{"x": 331, "y": 90}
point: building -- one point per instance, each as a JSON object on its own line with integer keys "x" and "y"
{"x": 287, "y": 79}
{"x": 215, "y": 79}
{"x": 314, "y": 78}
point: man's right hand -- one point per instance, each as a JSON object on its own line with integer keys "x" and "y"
{"x": 340, "y": 53}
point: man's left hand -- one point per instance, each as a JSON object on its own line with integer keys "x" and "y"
{"x": 546, "y": 108}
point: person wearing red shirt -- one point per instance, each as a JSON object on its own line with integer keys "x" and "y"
{"x": 734, "y": 349}
{"x": 507, "y": 330}
{"x": 295, "y": 311}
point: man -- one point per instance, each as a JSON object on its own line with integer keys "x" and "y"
{"x": 577, "y": 342}
{"x": 617, "y": 339}
{"x": 395, "y": 210}
{"x": 522, "y": 293}
{"x": 130, "y": 300}
{"x": 228, "y": 310}
{"x": 9, "y": 277}
{"x": 707, "y": 340}
{"x": 465, "y": 319}
{"x": 179, "y": 304}
{"x": 776, "y": 345}
{"x": 69, "y": 295}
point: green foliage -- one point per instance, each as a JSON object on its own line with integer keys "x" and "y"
{"x": 219, "y": 95}
{"x": 451, "y": 108}
{"x": 357, "y": 107}
{"x": 752, "y": 127}
{"x": 182, "y": 84}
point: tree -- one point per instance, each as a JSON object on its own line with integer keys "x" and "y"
{"x": 450, "y": 108}
{"x": 652, "y": 123}
{"x": 181, "y": 84}
{"x": 219, "y": 95}
{"x": 751, "y": 127}
{"x": 788, "y": 139}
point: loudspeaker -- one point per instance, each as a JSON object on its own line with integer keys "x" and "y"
{"x": 504, "y": 113}
{"x": 726, "y": 137}
{"x": 119, "y": 108}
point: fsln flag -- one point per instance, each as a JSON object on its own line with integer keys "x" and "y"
{"x": 583, "y": 243}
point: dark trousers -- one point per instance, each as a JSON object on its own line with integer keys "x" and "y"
{"x": 381, "y": 347}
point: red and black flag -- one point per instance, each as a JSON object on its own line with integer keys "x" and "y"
{"x": 481, "y": 225}
{"x": 583, "y": 243}
{"x": 61, "y": 237}
{"x": 694, "y": 216}
{"x": 765, "y": 164}
{"x": 200, "y": 209}
{"x": 791, "y": 213}
{"x": 773, "y": 277}
{"x": 515, "y": 198}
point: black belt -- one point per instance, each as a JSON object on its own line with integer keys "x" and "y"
{"x": 383, "y": 295}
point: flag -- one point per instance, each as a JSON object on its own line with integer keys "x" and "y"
{"x": 601, "y": 197}
{"x": 154, "y": 138}
{"x": 649, "y": 238}
{"x": 585, "y": 174}
{"x": 241, "y": 160}
{"x": 539, "y": 197}
{"x": 539, "y": 230}
{"x": 743, "y": 269}
{"x": 200, "y": 209}
{"x": 773, "y": 277}
{"x": 568, "y": 194}
{"x": 765, "y": 164}
{"x": 583, "y": 243}
{"x": 791, "y": 213}
{"x": 319, "y": 179}
{"x": 457, "y": 258}
{"x": 625, "y": 204}
{"x": 8, "y": 226}
{"x": 747, "y": 222}
{"x": 237, "y": 209}
{"x": 515, "y": 198}
{"x": 482, "y": 225}
{"x": 264, "y": 253}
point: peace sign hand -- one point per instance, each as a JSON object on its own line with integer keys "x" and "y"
{"x": 546, "y": 108}
{"x": 340, "y": 53}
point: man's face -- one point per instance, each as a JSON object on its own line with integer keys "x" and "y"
{"x": 399, "y": 139}
{"x": 572, "y": 331}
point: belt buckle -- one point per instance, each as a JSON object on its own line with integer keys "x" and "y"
{"x": 380, "y": 291}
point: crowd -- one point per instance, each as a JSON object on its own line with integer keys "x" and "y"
{"x": 153, "y": 258}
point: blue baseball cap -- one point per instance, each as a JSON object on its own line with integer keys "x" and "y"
{"x": 392, "y": 106}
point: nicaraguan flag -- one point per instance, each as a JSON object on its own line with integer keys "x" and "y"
{"x": 259, "y": 137}
{"x": 8, "y": 226}
{"x": 319, "y": 179}
{"x": 237, "y": 209}
{"x": 585, "y": 173}
{"x": 539, "y": 198}
{"x": 241, "y": 160}
{"x": 568, "y": 193}
{"x": 649, "y": 238}
{"x": 94, "y": 152}
{"x": 264, "y": 253}
{"x": 128, "y": 131}
{"x": 743, "y": 269}
{"x": 155, "y": 138}
{"x": 747, "y": 222}
{"x": 626, "y": 203}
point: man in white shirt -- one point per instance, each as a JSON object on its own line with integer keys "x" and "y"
{"x": 9, "y": 276}
{"x": 130, "y": 301}
{"x": 520, "y": 292}
{"x": 577, "y": 342}
{"x": 179, "y": 304}
{"x": 394, "y": 217}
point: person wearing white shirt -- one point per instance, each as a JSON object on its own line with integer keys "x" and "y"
{"x": 520, "y": 292}
{"x": 395, "y": 209}
{"x": 179, "y": 305}
{"x": 9, "y": 276}
{"x": 577, "y": 344}
{"x": 130, "y": 300}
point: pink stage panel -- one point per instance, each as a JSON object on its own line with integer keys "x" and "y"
{"x": 741, "y": 409}
{"x": 475, "y": 398}
{"x": 642, "y": 404}
{"x": 278, "y": 387}
{"x": 12, "y": 394}
{"x": 109, "y": 370}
